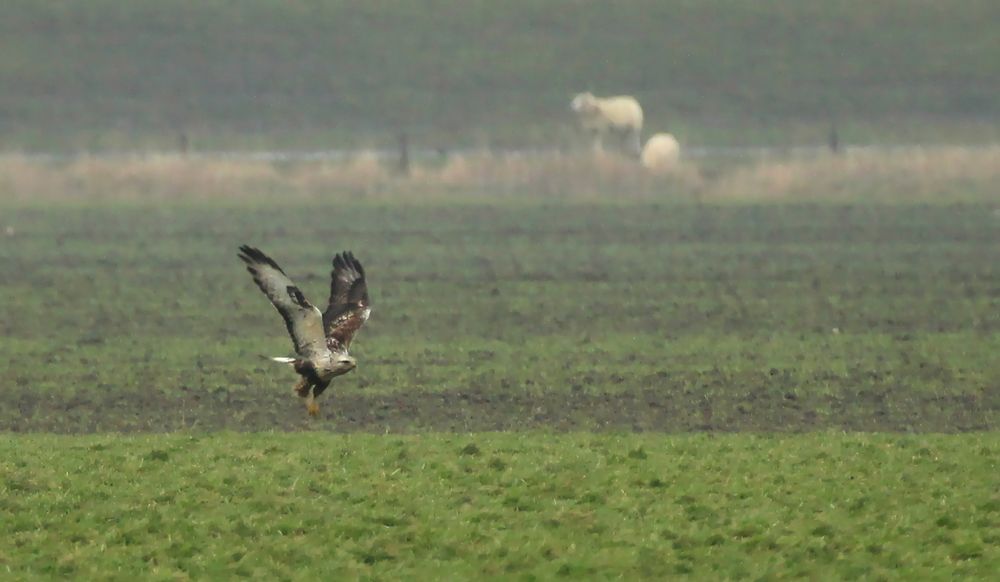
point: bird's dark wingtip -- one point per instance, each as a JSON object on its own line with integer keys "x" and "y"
{"x": 252, "y": 255}
{"x": 357, "y": 265}
{"x": 345, "y": 260}
{"x": 338, "y": 261}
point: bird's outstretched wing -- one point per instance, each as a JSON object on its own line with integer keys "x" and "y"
{"x": 349, "y": 305}
{"x": 303, "y": 319}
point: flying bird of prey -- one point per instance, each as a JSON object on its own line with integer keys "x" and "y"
{"x": 321, "y": 340}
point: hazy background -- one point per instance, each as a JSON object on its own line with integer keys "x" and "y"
{"x": 121, "y": 74}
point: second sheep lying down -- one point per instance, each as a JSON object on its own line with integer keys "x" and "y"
{"x": 661, "y": 153}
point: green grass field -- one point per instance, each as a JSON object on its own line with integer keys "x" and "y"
{"x": 524, "y": 505}
{"x": 514, "y": 314}
{"x": 546, "y": 386}
{"x": 275, "y": 74}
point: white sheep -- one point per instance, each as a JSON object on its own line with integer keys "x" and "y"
{"x": 661, "y": 153}
{"x": 619, "y": 115}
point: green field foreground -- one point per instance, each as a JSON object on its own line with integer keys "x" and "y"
{"x": 615, "y": 332}
{"x": 311, "y": 505}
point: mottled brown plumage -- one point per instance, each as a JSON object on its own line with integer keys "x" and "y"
{"x": 348, "y": 307}
{"x": 321, "y": 340}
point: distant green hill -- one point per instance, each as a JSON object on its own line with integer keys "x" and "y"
{"x": 299, "y": 73}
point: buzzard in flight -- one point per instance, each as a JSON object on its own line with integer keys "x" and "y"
{"x": 321, "y": 340}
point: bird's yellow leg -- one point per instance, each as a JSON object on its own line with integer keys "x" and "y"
{"x": 311, "y": 406}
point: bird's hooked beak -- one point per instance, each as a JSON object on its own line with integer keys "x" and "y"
{"x": 347, "y": 363}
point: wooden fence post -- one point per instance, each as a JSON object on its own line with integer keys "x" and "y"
{"x": 404, "y": 154}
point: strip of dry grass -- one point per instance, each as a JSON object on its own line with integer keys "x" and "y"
{"x": 939, "y": 174}
{"x": 952, "y": 173}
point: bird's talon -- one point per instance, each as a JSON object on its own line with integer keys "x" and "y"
{"x": 312, "y": 408}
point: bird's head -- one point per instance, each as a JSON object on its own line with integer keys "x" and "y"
{"x": 344, "y": 364}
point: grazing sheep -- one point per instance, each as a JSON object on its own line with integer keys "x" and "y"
{"x": 620, "y": 115}
{"x": 661, "y": 152}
